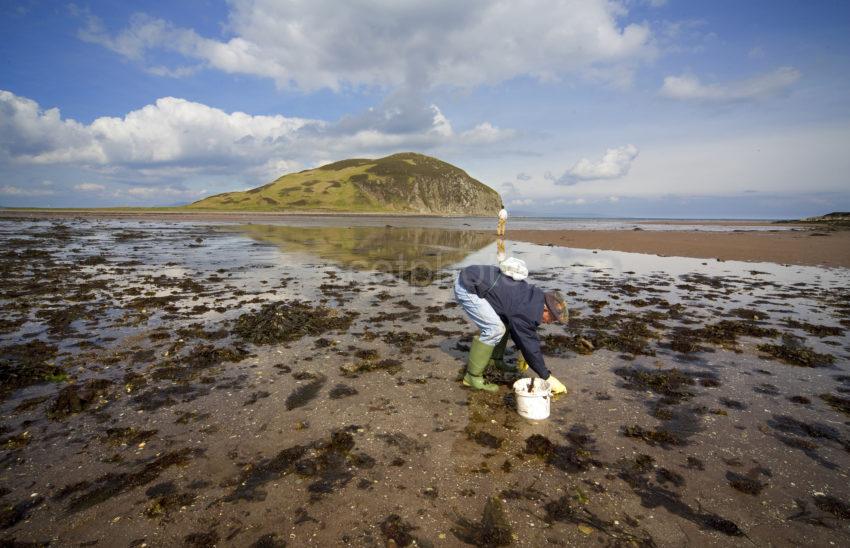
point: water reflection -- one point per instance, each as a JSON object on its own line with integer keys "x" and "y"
{"x": 412, "y": 253}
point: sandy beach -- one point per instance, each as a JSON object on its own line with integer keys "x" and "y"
{"x": 805, "y": 247}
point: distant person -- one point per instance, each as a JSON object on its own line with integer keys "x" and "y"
{"x": 503, "y": 307}
{"x": 503, "y": 220}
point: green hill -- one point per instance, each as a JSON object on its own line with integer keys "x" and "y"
{"x": 400, "y": 183}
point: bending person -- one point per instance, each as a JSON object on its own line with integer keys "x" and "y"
{"x": 501, "y": 307}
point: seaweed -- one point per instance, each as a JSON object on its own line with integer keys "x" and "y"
{"x": 113, "y": 484}
{"x": 25, "y": 364}
{"x": 288, "y": 321}
{"x": 744, "y": 484}
{"x": 671, "y": 383}
{"x": 396, "y": 530}
{"x": 12, "y": 514}
{"x": 493, "y": 529}
{"x": 563, "y": 457}
{"x": 74, "y": 399}
{"x": 126, "y": 436}
{"x": 329, "y": 463}
{"x": 792, "y": 352}
{"x": 652, "y": 437}
{"x": 342, "y": 391}
{"x": 390, "y": 365}
{"x": 834, "y": 506}
{"x": 305, "y": 393}
{"x": 838, "y": 403}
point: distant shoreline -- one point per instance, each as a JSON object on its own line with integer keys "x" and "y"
{"x": 201, "y": 214}
{"x": 810, "y": 245}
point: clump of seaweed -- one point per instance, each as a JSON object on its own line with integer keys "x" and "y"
{"x": 837, "y": 402}
{"x": 814, "y": 329}
{"x": 792, "y": 352}
{"x": 11, "y": 514}
{"x": 26, "y": 364}
{"x": 329, "y": 463}
{"x": 834, "y": 506}
{"x": 493, "y": 529}
{"x": 395, "y": 529}
{"x": 76, "y": 399}
{"x": 127, "y": 436}
{"x": 405, "y": 340}
{"x": 671, "y": 383}
{"x": 745, "y": 484}
{"x": 288, "y": 321}
{"x": 305, "y": 393}
{"x": 563, "y": 457}
{"x": 390, "y": 365}
{"x": 113, "y": 484}
{"x": 652, "y": 437}
{"x": 342, "y": 391}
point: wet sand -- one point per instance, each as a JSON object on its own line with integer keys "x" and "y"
{"x": 169, "y": 383}
{"x": 808, "y": 247}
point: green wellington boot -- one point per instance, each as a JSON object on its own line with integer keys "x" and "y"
{"x": 498, "y": 358}
{"x": 479, "y": 356}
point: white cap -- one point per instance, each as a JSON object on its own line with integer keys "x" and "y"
{"x": 514, "y": 268}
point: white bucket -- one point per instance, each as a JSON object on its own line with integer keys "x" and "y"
{"x": 532, "y": 404}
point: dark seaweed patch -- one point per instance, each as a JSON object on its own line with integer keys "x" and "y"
{"x": 126, "y": 436}
{"x": 288, "y": 321}
{"x": 75, "y": 399}
{"x": 838, "y": 403}
{"x": 563, "y": 457}
{"x": 744, "y": 484}
{"x": 834, "y": 506}
{"x": 652, "y": 437}
{"x": 395, "y": 529}
{"x": 26, "y": 364}
{"x": 792, "y": 352}
{"x": 671, "y": 383}
{"x": 329, "y": 463}
{"x": 342, "y": 391}
{"x": 12, "y": 514}
{"x": 112, "y": 484}
{"x": 305, "y": 393}
{"x": 492, "y": 530}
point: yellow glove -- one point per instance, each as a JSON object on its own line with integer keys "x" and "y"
{"x": 556, "y": 386}
{"x": 521, "y": 364}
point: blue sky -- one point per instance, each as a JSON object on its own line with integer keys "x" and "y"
{"x": 583, "y": 107}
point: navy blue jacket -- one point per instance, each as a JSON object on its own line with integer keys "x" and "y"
{"x": 518, "y": 304}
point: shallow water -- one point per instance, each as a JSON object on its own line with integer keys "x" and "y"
{"x": 179, "y": 429}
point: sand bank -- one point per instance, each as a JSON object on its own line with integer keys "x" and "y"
{"x": 804, "y": 247}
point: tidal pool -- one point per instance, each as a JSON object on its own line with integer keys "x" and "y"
{"x": 171, "y": 383}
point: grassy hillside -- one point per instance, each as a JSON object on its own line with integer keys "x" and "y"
{"x": 401, "y": 183}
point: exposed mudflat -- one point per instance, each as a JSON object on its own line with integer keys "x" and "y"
{"x": 171, "y": 383}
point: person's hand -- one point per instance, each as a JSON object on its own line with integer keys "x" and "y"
{"x": 556, "y": 386}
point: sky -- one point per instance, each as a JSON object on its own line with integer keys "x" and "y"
{"x": 577, "y": 108}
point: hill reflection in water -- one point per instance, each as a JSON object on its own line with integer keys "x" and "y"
{"x": 410, "y": 253}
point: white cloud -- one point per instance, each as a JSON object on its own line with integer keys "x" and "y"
{"x": 615, "y": 163}
{"x": 312, "y": 44}
{"x": 522, "y": 202}
{"x": 690, "y": 88}
{"x": 523, "y": 176}
{"x": 89, "y": 187}
{"x": 178, "y": 137}
{"x": 10, "y": 190}
{"x": 160, "y": 191}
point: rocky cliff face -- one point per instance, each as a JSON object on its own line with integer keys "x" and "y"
{"x": 401, "y": 183}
